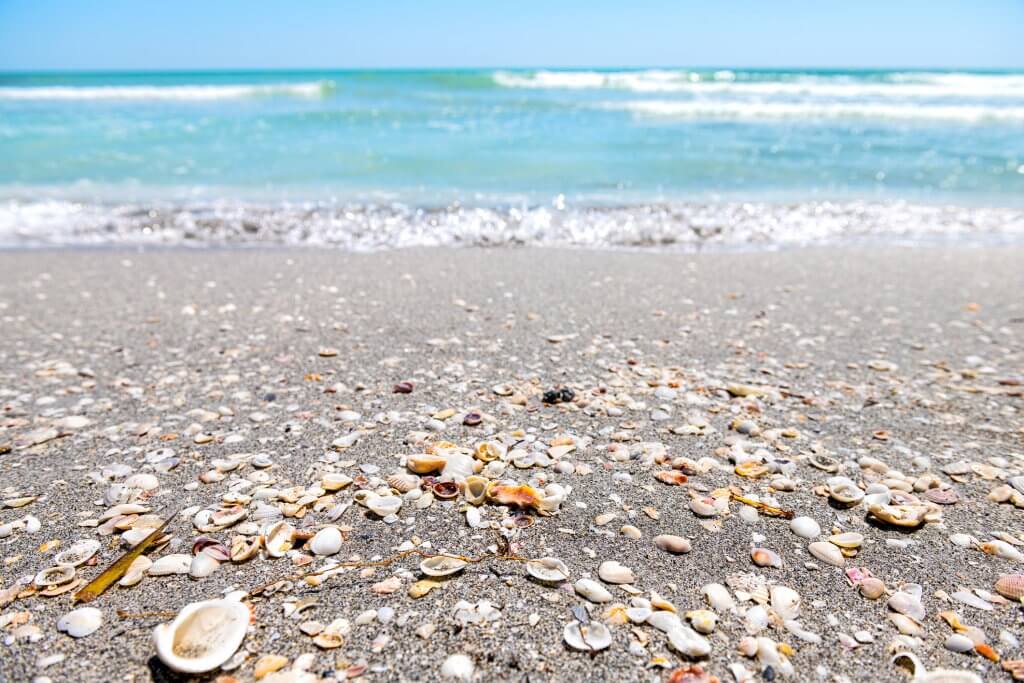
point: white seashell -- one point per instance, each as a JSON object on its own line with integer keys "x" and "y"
{"x": 278, "y": 538}
{"x": 442, "y": 565}
{"x": 638, "y": 615}
{"x": 827, "y": 553}
{"x": 1002, "y": 550}
{"x": 768, "y": 655}
{"x": 922, "y": 675}
{"x": 133, "y": 537}
{"x": 794, "y": 627}
{"x": 383, "y": 505}
{"x": 905, "y": 624}
{"x": 972, "y": 600}
{"x": 785, "y": 601}
{"x": 688, "y": 642}
{"x": 849, "y": 539}
{"x": 962, "y": 540}
{"x": 905, "y": 603}
{"x": 755, "y": 620}
{"x": 878, "y": 498}
{"x": 202, "y": 566}
{"x": 458, "y": 667}
{"x": 718, "y": 597}
{"x": 548, "y": 570}
{"x": 702, "y": 620}
{"x": 611, "y": 571}
{"x": 805, "y": 527}
{"x": 136, "y": 570}
{"x": 80, "y": 622}
{"x": 587, "y": 637}
{"x": 959, "y": 643}
{"x": 844, "y": 490}
{"x": 475, "y": 519}
{"x": 458, "y": 466}
{"x": 54, "y": 576}
{"x": 79, "y": 553}
{"x": 765, "y": 557}
{"x": 592, "y": 591}
{"x": 142, "y": 481}
{"x": 664, "y": 621}
{"x": 334, "y": 481}
{"x": 171, "y": 564}
{"x": 327, "y": 541}
{"x": 475, "y": 490}
{"x": 203, "y": 636}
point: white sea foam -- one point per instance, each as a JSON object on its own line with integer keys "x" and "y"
{"x": 167, "y": 92}
{"x": 681, "y": 226}
{"x": 901, "y": 85}
{"x": 758, "y": 110}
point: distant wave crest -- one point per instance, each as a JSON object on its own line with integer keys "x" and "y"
{"x": 168, "y": 92}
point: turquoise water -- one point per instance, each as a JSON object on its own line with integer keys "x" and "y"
{"x": 505, "y": 138}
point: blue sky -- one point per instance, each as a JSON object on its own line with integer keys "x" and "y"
{"x": 193, "y": 34}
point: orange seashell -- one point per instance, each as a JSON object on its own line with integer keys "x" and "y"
{"x": 673, "y": 477}
{"x": 1011, "y": 586}
{"x": 987, "y": 652}
{"x": 516, "y": 495}
{"x": 691, "y": 674}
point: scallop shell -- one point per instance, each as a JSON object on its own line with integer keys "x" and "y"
{"x": 587, "y": 637}
{"x": 403, "y": 482}
{"x": 203, "y": 636}
{"x": 79, "y": 553}
{"x": 80, "y": 622}
{"x": 677, "y": 545}
{"x": 1011, "y": 586}
{"x": 475, "y": 489}
{"x": 278, "y": 538}
{"x": 442, "y": 565}
{"x": 327, "y": 541}
{"x": 548, "y": 570}
{"x": 422, "y": 463}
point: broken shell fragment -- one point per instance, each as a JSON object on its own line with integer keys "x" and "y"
{"x": 475, "y": 489}
{"x": 81, "y": 622}
{"x": 54, "y": 576}
{"x": 921, "y": 675}
{"x": 203, "y": 635}
{"x": 548, "y": 570}
{"x": 688, "y": 642}
{"x": 442, "y": 565}
{"x": 422, "y": 463}
{"x": 515, "y": 495}
{"x": 279, "y": 538}
{"x": 593, "y": 591}
{"x": 244, "y": 547}
{"x": 587, "y": 637}
{"x": 899, "y": 515}
{"x": 383, "y": 505}
{"x": 671, "y": 477}
{"x": 79, "y": 553}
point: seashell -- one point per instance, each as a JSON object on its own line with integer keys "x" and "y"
{"x": 225, "y": 517}
{"x": 768, "y": 655}
{"x": 423, "y": 463}
{"x": 794, "y": 627}
{"x": 383, "y": 505}
{"x": 849, "y": 539}
{"x": 639, "y": 615}
{"x": 677, "y": 545}
{"x": 785, "y": 601}
{"x": 972, "y": 600}
{"x": 142, "y": 481}
{"x": 899, "y": 515}
{"x": 663, "y": 621}
{"x": 171, "y": 564}
{"x": 327, "y": 541}
{"x": 942, "y": 496}
{"x": 763, "y": 557}
{"x": 805, "y": 527}
{"x": 487, "y": 451}
{"x": 203, "y": 636}
{"x": 403, "y": 482}
{"x": 905, "y": 624}
{"x": 1011, "y": 586}
{"x": 475, "y": 489}
{"x": 457, "y": 667}
{"x": 921, "y": 675}
{"x": 202, "y": 566}
{"x": 671, "y": 477}
{"x": 959, "y": 643}
{"x": 905, "y": 603}
{"x": 827, "y": 553}
{"x": 244, "y": 547}
{"x": 55, "y": 576}
{"x": 702, "y": 620}
{"x": 718, "y": 597}
{"x": 704, "y": 507}
{"x": 688, "y": 642}
{"x": 80, "y": 622}
{"x": 844, "y": 491}
{"x": 445, "y": 490}
{"x": 548, "y": 570}
{"x": 442, "y": 565}
{"x": 824, "y": 463}
{"x": 1002, "y": 550}
{"x": 755, "y": 620}
{"x": 611, "y": 571}
{"x": 631, "y": 531}
{"x": 587, "y": 637}
{"x": 554, "y": 496}
{"x": 268, "y": 664}
{"x": 79, "y": 553}
{"x": 336, "y": 481}
{"x": 593, "y": 591}
{"x": 517, "y": 495}
{"x": 136, "y": 570}
{"x": 278, "y": 538}
{"x": 871, "y": 588}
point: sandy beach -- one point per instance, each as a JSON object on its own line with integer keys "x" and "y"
{"x": 880, "y": 364}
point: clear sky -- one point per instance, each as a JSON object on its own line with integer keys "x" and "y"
{"x": 198, "y": 34}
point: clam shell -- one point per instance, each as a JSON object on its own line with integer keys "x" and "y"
{"x": 55, "y": 576}
{"x": 383, "y": 505}
{"x": 548, "y": 570}
{"x": 442, "y": 565}
{"x": 688, "y": 642}
{"x": 785, "y": 601}
{"x": 278, "y": 538}
{"x": 334, "y": 481}
{"x": 611, "y": 571}
{"x": 79, "y": 553}
{"x": 718, "y": 597}
{"x": 80, "y": 622}
{"x": 805, "y": 527}
{"x": 202, "y": 566}
{"x": 327, "y": 541}
{"x": 592, "y": 591}
{"x": 850, "y": 539}
{"x": 475, "y": 489}
{"x": 587, "y": 637}
{"x": 763, "y": 557}
{"x": 1011, "y": 586}
{"x": 171, "y": 564}
{"x": 677, "y": 545}
{"x": 422, "y": 463}
{"x": 827, "y": 553}
{"x": 203, "y": 636}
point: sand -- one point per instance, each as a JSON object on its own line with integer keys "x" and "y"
{"x": 135, "y": 340}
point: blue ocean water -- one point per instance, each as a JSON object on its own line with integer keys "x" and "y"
{"x": 85, "y": 153}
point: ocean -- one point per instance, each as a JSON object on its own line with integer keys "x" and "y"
{"x": 665, "y": 158}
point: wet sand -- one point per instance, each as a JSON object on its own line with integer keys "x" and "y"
{"x": 896, "y": 354}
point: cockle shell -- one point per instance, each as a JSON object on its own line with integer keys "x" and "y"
{"x": 442, "y": 565}
{"x": 548, "y": 570}
{"x": 1011, "y": 586}
{"x": 403, "y": 482}
{"x": 475, "y": 489}
{"x": 587, "y": 637}
{"x": 278, "y": 538}
{"x": 327, "y": 541}
{"x": 79, "y": 553}
{"x": 80, "y": 622}
{"x": 203, "y": 636}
